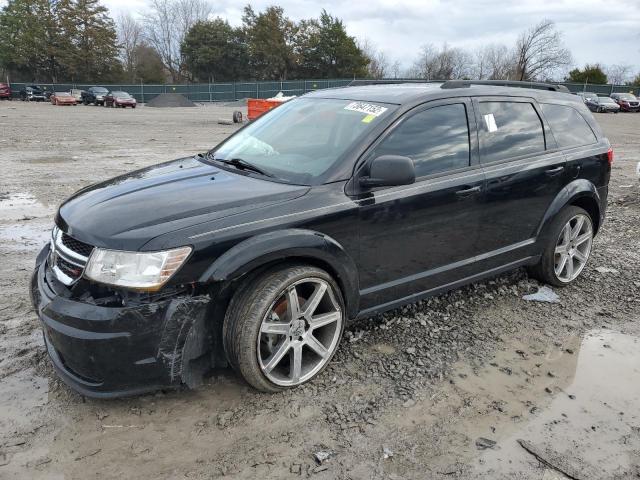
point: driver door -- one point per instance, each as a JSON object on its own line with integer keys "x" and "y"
{"x": 417, "y": 238}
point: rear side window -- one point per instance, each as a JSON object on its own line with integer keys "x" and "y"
{"x": 569, "y": 127}
{"x": 509, "y": 129}
{"x": 437, "y": 140}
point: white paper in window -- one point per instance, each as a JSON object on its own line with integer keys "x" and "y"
{"x": 490, "y": 122}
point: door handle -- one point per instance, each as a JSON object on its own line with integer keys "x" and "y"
{"x": 553, "y": 171}
{"x": 468, "y": 191}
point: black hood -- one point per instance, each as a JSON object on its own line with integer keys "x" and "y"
{"x": 127, "y": 211}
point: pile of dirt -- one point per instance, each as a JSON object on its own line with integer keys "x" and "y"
{"x": 167, "y": 100}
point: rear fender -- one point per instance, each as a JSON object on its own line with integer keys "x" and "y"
{"x": 297, "y": 244}
{"x": 576, "y": 191}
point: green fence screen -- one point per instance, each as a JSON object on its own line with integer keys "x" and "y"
{"x": 229, "y": 92}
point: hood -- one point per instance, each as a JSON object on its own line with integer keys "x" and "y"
{"x": 127, "y": 211}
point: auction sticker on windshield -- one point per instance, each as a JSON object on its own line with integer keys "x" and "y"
{"x": 369, "y": 109}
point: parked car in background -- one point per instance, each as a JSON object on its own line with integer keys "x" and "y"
{"x": 77, "y": 94}
{"x": 331, "y": 207}
{"x": 603, "y": 105}
{"x": 94, "y": 95}
{"x": 587, "y": 95}
{"x": 63, "y": 98}
{"x": 32, "y": 93}
{"x": 5, "y": 91}
{"x": 119, "y": 99}
{"x": 628, "y": 101}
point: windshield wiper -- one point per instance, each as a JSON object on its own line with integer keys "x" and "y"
{"x": 243, "y": 165}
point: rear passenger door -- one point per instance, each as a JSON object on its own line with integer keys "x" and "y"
{"x": 524, "y": 171}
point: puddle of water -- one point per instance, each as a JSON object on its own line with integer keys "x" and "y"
{"x": 593, "y": 424}
{"x": 17, "y": 206}
{"x": 24, "y": 237}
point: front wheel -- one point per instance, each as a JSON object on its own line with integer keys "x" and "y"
{"x": 283, "y": 327}
{"x": 568, "y": 248}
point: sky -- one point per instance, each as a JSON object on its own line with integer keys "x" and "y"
{"x": 596, "y": 31}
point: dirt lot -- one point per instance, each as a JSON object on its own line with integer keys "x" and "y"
{"x": 421, "y": 392}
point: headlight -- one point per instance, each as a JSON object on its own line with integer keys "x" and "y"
{"x": 137, "y": 270}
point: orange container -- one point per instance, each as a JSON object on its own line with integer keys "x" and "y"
{"x": 257, "y": 106}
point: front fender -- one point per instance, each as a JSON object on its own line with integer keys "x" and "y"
{"x": 289, "y": 244}
{"x": 577, "y": 189}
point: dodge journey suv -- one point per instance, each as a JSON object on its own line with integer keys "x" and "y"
{"x": 338, "y": 205}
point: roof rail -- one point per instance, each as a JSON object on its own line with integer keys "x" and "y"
{"x": 361, "y": 82}
{"x": 505, "y": 83}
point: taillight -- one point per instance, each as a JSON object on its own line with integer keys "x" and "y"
{"x": 610, "y": 156}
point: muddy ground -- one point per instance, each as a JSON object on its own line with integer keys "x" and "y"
{"x": 442, "y": 389}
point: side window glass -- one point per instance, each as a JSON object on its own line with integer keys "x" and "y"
{"x": 436, "y": 139}
{"x": 509, "y": 129}
{"x": 569, "y": 127}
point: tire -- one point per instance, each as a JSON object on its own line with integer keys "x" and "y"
{"x": 266, "y": 360}
{"x": 573, "y": 251}
{"x": 237, "y": 117}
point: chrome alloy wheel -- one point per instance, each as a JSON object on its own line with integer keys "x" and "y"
{"x": 299, "y": 332}
{"x": 573, "y": 248}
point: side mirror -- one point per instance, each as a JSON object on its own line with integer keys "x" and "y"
{"x": 389, "y": 171}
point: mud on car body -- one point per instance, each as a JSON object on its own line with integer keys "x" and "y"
{"x": 338, "y": 205}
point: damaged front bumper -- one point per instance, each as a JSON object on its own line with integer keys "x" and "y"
{"x": 105, "y": 351}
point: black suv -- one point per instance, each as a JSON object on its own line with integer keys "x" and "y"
{"x": 93, "y": 95}
{"x": 337, "y": 205}
{"x": 32, "y": 93}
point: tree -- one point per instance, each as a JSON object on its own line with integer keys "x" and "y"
{"x": 618, "y": 74}
{"x": 378, "y": 65}
{"x": 166, "y": 23}
{"x": 539, "y": 52}
{"x": 589, "y": 74}
{"x": 636, "y": 81}
{"x": 442, "y": 64}
{"x": 129, "y": 39}
{"x": 326, "y": 50}
{"x": 493, "y": 62}
{"x": 270, "y": 38}
{"x": 30, "y": 36}
{"x": 89, "y": 48}
{"x": 148, "y": 65}
{"x": 213, "y": 50}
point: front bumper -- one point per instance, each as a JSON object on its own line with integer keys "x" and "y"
{"x": 109, "y": 352}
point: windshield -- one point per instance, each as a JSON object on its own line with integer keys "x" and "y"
{"x": 606, "y": 100}
{"x": 590, "y": 95}
{"x": 121, "y": 95}
{"x": 627, "y": 96}
{"x": 98, "y": 90}
{"x": 302, "y": 139}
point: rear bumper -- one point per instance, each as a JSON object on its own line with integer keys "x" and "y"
{"x": 107, "y": 352}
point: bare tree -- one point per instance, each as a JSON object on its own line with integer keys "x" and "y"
{"x": 444, "y": 64}
{"x": 129, "y": 38}
{"x": 539, "y": 52}
{"x": 378, "y": 64}
{"x": 395, "y": 69}
{"x": 618, "y": 74}
{"x": 166, "y": 22}
{"x": 493, "y": 62}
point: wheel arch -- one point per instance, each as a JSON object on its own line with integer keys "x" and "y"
{"x": 289, "y": 246}
{"x": 580, "y": 193}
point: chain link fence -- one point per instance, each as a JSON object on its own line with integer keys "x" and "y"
{"x": 229, "y": 92}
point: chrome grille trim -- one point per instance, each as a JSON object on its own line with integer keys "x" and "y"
{"x": 58, "y": 249}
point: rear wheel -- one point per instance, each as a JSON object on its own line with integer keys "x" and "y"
{"x": 568, "y": 248}
{"x": 283, "y": 327}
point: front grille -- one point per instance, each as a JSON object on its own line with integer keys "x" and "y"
{"x": 68, "y": 256}
{"x": 69, "y": 269}
{"x": 77, "y": 246}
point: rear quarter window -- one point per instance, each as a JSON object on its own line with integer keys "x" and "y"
{"x": 509, "y": 129}
{"x": 569, "y": 128}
